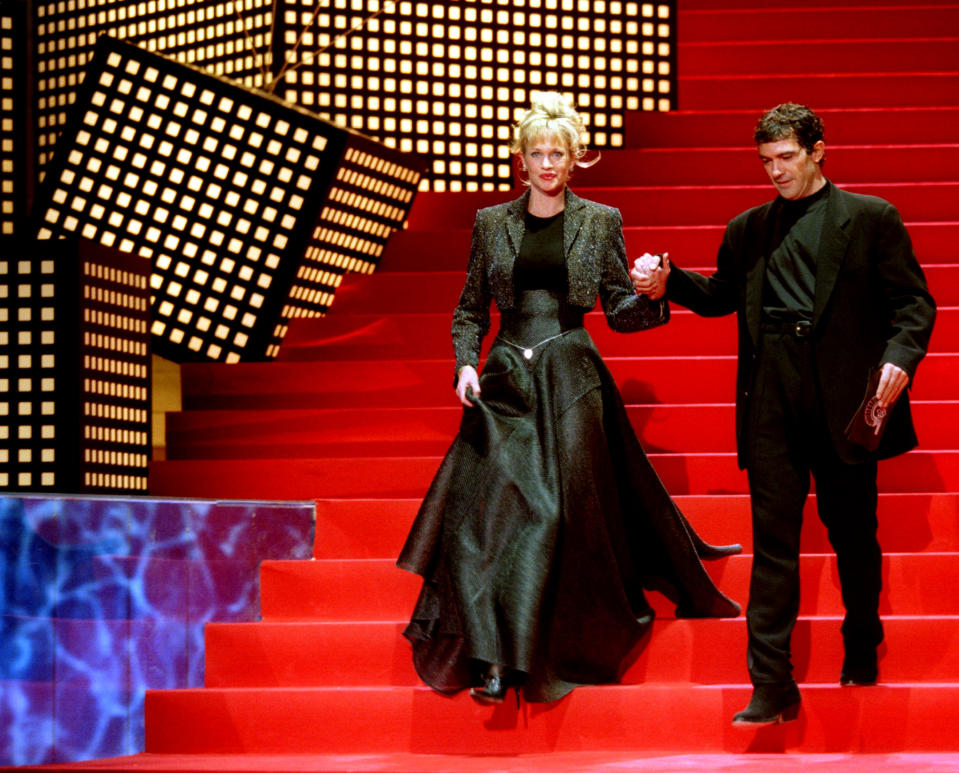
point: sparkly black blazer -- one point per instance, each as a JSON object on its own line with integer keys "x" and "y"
{"x": 595, "y": 261}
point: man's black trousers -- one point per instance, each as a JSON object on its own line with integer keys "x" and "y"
{"x": 787, "y": 441}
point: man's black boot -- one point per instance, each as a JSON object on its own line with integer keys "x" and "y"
{"x": 860, "y": 667}
{"x": 771, "y": 704}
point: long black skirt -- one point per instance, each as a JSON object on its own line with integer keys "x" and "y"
{"x": 544, "y": 525}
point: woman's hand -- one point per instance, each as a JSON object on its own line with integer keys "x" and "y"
{"x": 650, "y": 282}
{"x": 467, "y": 380}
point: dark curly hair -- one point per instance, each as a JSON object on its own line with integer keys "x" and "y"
{"x": 790, "y": 120}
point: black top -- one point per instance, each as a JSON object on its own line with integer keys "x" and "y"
{"x": 791, "y": 270}
{"x": 541, "y": 264}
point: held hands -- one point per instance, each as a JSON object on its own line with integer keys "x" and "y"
{"x": 468, "y": 379}
{"x": 649, "y": 275}
{"x": 891, "y": 383}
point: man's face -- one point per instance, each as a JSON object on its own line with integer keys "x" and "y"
{"x": 794, "y": 172}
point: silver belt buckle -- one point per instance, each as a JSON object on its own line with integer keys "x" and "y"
{"x": 802, "y": 328}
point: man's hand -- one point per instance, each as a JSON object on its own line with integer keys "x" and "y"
{"x": 650, "y": 282}
{"x": 467, "y": 380}
{"x": 891, "y": 383}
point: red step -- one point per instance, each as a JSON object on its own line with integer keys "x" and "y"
{"x": 424, "y": 383}
{"x": 844, "y": 126}
{"x": 908, "y": 523}
{"x": 372, "y": 337}
{"x": 691, "y": 205}
{"x": 643, "y": 718}
{"x": 315, "y": 433}
{"x": 439, "y": 291}
{"x": 709, "y": 165}
{"x": 876, "y": 88}
{"x": 845, "y": 54}
{"x": 420, "y": 383}
{"x": 714, "y": 473}
{"x": 735, "y": 20}
{"x": 374, "y": 589}
{"x": 428, "y": 431}
{"x": 449, "y": 250}
{"x": 350, "y": 654}
{"x": 358, "y": 337}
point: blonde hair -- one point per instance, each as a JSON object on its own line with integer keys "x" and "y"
{"x": 551, "y": 114}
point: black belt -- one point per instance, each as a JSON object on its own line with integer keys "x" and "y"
{"x": 800, "y": 328}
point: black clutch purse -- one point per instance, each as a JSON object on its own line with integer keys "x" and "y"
{"x": 869, "y": 421}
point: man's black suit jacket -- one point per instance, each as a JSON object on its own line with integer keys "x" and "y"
{"x": 872, "y": 306}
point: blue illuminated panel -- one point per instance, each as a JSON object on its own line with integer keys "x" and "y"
{"x": 102, "y": 599}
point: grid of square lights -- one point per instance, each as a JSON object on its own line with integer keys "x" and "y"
{"x": 115, "y": 370}
{"x": 11, "y": 109}
{"x": 38, "y": 381}
{"x": 228, "y": 37}
{"x": 27, "y": 369}
{"x": 208, "y": 180}
{"x": 370, "y": 198}
{"x": 448, "y": 79}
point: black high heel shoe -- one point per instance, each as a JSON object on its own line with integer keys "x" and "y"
{"x": 709, "y": 552}
{"x": 493, "y": 690}
{"x": 704, "y": 550}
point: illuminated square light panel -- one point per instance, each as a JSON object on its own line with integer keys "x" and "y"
{"x": 249, "y": 209}
{"x": 75, "y": 410}
{"x": 13, "y": 109}
{"x": 448, "y": 79}
{"x": 443, "y": 79}
{"x": 229, "y": 37}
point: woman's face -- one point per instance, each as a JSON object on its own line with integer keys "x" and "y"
{"x": 549, "y": 162}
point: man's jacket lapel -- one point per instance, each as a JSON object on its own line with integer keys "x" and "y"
{"x": 833, "y": 244}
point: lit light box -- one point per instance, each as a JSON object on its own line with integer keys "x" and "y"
{"x": 75, "y": 411}
{"x": 249, "y": 209}
{"x": 443, "y": 79}
{"x": 228, "y": 37}
{"x": 15, "y": 150}
{"x": 448, "y": 79}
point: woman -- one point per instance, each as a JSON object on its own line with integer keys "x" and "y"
{"x": 546, "y": 521}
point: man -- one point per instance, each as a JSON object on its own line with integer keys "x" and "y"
{"x": 826, "y": 288}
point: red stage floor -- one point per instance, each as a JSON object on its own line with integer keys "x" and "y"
{"x": 581, "y": 762}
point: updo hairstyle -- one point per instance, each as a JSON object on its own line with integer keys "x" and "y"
{"x": 551, "y": 114}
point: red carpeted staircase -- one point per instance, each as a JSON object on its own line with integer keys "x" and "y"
{"x": 359, "y": 408}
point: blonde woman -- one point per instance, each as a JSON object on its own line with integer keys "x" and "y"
{"x": 546, "y": 522}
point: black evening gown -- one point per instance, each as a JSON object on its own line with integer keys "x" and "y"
{"x": 546, "y": 522}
